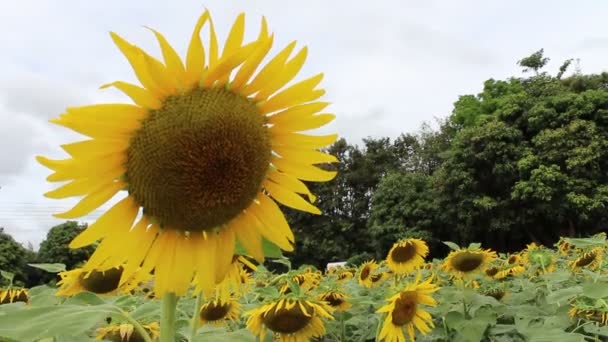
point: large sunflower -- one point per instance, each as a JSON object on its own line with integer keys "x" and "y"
{"x": 204, "y": 152}
{"x": 464, "y": 262}
{"x": 101, "y": 282}
{"x": 407, "y": 255}
{"x": 290, "y": 320}
{"x": 403, "y": 311}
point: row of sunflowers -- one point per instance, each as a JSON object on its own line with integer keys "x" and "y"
{"x": 473, "y": 294}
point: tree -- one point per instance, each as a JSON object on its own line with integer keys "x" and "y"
{"x": 55, "y": 248}
{"x": 535, "y": 61}
{"x": 13, "y": 257}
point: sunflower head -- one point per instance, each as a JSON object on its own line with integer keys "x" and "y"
{"x": 345, "y": 276}
{"x": 590, "y": 259}
{"x": 366, "y": 271}
{"x": 509, "y": 271}
{"x": 496, "y": 293}
{"x": 217, "y": 311}
{"x": 404, "y": 311}
{"x": 464, "y": 262}
{"x": 207, "y": 147}
{"x": 296, "y": 319}
{"x": 589, "y": 313}
{"x": 336, "y": 299}
{"x": 127, "y": 333}
{"x": 101, "y": 282}
{"x": 407, "y": 255}
{"x": 13, "y": 295}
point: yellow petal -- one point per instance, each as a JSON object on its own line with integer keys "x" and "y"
{"x": 95, "y": 147}
{"x": 120, "y": 217}
{"x": 159, "y": 73}
{"x": 303, "y": 124}
{"x": 213, "y": 48}
{"x": 225, "y": 66}
{"x": 249, "y": 237}
{"x": 99, "y": 130}
{"x": 92, "y": 201}
{"x": 297, "y": 112}
{"x": 273, "y": 215}
{"x": 205, "y": 261}
{"x": 304, "y": 156}
{"x": 225, "y": 252}
{"x": 268, "y": 231}
{"x": 139, "y": 95}
{"x": 83, "y": 186}
{"x": 235, "y": 37}
{"x": 135, "y": 58}
{"x": 195, "y": 59}
{"x": 68, "y": 169}
{"x": 290, "y": 70}
{"x": 289, "y": 198}
{"x": 291, "y": 183}
{"x": 251, "y": 64}
{"x": 172, "y": 61}
{"x": 164, "y": 262}
{"x": 106, "y": 113}
{"x": 303, "y": 171}
{"x": 145, "y": 238}
{"x": 303, "y": 140}
{"x": 300, "y": 92}
{"x": 269, "y": 71}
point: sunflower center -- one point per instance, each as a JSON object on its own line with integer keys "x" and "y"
{"x": 513, "y": 259}
{"x": 467, "y": 261}
{"x": 198, "y": 161}
{"x": 403, "y": 253}
{"x": 101, "y": 282}
{"x": 492, "y": 271}
{"x": 215, "y": 311}
{"x": 405, "y": 308}
{"x": 288, "y": 321}
{"x": 333, "y": 299}
{"x": 376, "y": 277}
{"x": 586, "y": 259}
{"x": 365, "y": 272}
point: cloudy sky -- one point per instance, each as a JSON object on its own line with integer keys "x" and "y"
{"x": 389, "y": 65}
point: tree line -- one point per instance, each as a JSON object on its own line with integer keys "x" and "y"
{"x": 523, "y": 161}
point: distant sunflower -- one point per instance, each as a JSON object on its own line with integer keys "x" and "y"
{"x": 464, "y": 262}
{"x": 492, "y": 271}
{"x": 337, "y": 300}
{"x": 218, "y": 312}
{"x": 204, "y": 152}
{"x": 289, "y": 320}
{"x": 564, "y": 247}
{"x": 101, "y": 282}
{"x": 404, "y": 311}
{"x": 345, "y": 276}
{"x": 127, "y": 333}
{"x": 591, "y": 259}
{"x": 510, "y": 271}
{"x": 407, "y": 255}
{"x": 514, "y": 259}
{"x": 13, "y": 295}
{"x": 378, "y": 278}
{"x": 365, "y": 273}
{"x": 496, "y": 293}
{"x": 589, "y": 313}
{"x": 306, "y": 281}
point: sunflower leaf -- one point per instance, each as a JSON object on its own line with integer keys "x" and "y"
{"x": 452, "y": 245}
{"x": 51, "y": 268}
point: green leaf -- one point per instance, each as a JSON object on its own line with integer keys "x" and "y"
{"x": 7, "y": 275}
{"x": 51, "y": 268}
{"x": 596, "y": 330}
{"x": 271, "y": 250}
{"x": 586, "y": 242}
{"x": 563, "y": 295}
{"x": 474, "y": 245}
{"x": 595, "y": 290}
{"x": 146, "y": 310}
{"x": 540, "y": 334}
{"x": 220, "y": 335}
{"x": 49, "y": 321}
{"x": 452, "y": 245}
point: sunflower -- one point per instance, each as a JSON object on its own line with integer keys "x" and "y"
{"x": 591, "y": 259}
{"x": 126, "y": 333}
{"x": 306, "y": 281}
{"x": 204, "y": 152}
{"x": 290, "y": 320}
{"x": 219, "y": 311}
{"x": 496, "y": 293}
{"x": 510, "y": 271}
{"x": 378, "y": 278}
{"x": 407, "y": 255}
{"x": 101, "y": 282}
{"x": 564, "y": 247}
{"x": 336, "y": 299}
{"x": 464, "y": 262}
{"x": 235, "y": 281}
{"x": 542, "y": 258}
{"x": 14, "y": 295}
{"x": 403, "y": 311}
{"x": 345, "y": 276}
{"x": 492, "y": 271}
{"x": 365, "y": 272}
{"x": 514, "y": 259}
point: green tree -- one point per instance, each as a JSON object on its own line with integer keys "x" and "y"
{"x": 535, "y": 61}
{"x": 13, "y": 258}
{"x": 55, "y": 248}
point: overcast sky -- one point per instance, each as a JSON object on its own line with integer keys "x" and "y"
{"x": 389, "y": 65}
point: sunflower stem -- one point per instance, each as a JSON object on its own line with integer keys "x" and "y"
{"x": 167, "y": 317}
{"x": 138, "y": 327}
{"x": 194, "y": 321}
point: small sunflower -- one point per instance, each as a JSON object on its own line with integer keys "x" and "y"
{"x": 464, "y": 262}
{"x": 542, "y": 258}
{"x": 510, "y": 271}
{"x": 345, "y": 276}
{"x": 587, "y": 310}
{"x": 208, "y": 146}
{"x": 337, "y": 300}
{"x": 377, "y": 278}
{"x": 591, "y": 259}
{"x": 218, "y": 312}
{"x": 564, "y": 247}
{"x": 496, "y": 293}
{"x": 13, "y": 295}
{"x": 366, "y": 271}
{"x": 404, "y": 311}
{"x": 101, "y": 282}
{"x": 407, "y": 255}
{"x": 290, "y": 320}
{"x": 514, "y": 259}
{"x": 492, "y": 271}
{"x": 236, "y": 280}
{"x": 127, "y": 333}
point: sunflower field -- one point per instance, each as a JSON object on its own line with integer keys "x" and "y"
{"x": 537, "y": 294}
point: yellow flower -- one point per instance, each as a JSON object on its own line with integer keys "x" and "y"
{"x": 496, "y": 293}
{"x": 366, "y": 271}
{"x": 206, "y": 149}
{"x": 464, "y": 262}
{"x": 337, "y": 300}
{"x": 345, "y": 276}
{"x": 511, "y": 271}
{"x": 407, "y": 255}
{"x": 591, "y": 259}
{"x": 403, "y": 311}
{"x": 289, "y": 320}
{"x": 126, "y": 333}
{"x": 218, "y": 311}
{"x": 306, "y": 281}
{"x": 14, "y": 295}
{"x": 101, "y": 282}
